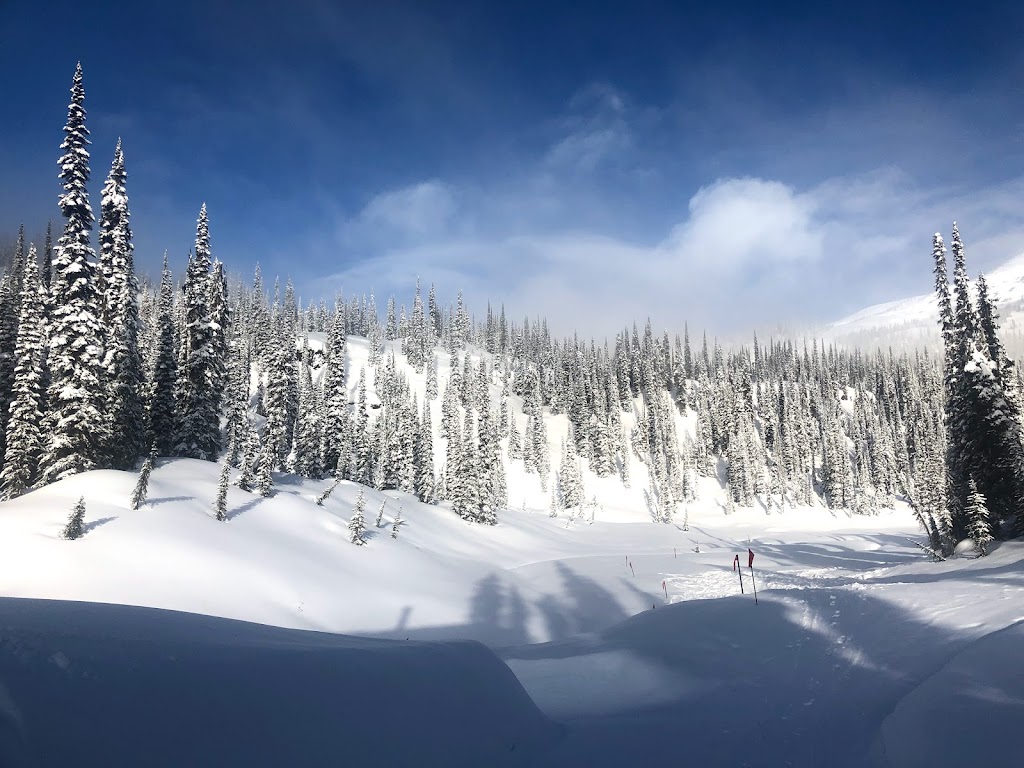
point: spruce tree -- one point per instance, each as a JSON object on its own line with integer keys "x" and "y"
{"x": 424, "y": 448}
{"x": 142, "y": 486}
{"x": 335, "y": 391}
{"x": 356, "y": 524}
{"x": 75, "y": 425}
{"x": 515, "y": 444}
{"x": 327, "y": 492}
{"x": 275, "y": 434}
{"x": 570, "y": 482}
{"x": 119, "y": 307}
{"x": 978, "y": 524}
{"x": 308, "y": 457}
{"x": 946, "y": 322}
{"x": 8, "y": 341}
{"x": 264, "y": 470}
{"x": 249, "y": 460}
{"x": 397, "y": 524}
{"x": 48, "y": 256}
{"x": 198, "y": 375}
{"x": 431, "y": 363}
{"x": 162, "y": 416}
{"x": 493, "y": 493}
{"x": 380, "y": 514}
{"x": 220, "y": 329}
{"x": 23, "y": 437}
{"x": 75, "y": 527}
{"x": 221, "y": 504}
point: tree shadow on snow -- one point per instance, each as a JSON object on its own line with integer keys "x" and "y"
{"x": 97, "y": 523}
{"x": 167, "y": 500}
{"x": 498, "y": 615}
{"x": 803, "y": 682}
{"x": 245, "y": 507}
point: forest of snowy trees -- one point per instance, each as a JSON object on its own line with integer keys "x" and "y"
{"x": 100, "y": 371}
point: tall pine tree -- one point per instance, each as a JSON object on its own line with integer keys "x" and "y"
{"x": 199, "y": 374}
{"x": 75, "y": 425}
{"x": 119, "y": 307}
{"x": 24, "y": 438}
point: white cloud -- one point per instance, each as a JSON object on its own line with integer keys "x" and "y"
{"x": 734, "y": 222}
{"x": 547, "y": 236}
{"x": 586, "y": 148}
{"x": 418, "y": 212}
{"x": 749, "y": 252}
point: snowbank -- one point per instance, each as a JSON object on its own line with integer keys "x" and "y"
{"x": 106, "y": 685}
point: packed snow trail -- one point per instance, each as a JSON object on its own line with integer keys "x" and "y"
{"x": 813, "y": 675}
{"x": 722, "y": 682}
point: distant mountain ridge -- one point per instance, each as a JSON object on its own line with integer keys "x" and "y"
{"x": 919, "y": 313}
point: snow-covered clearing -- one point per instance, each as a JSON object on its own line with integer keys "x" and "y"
{"x": 858, "y": 645}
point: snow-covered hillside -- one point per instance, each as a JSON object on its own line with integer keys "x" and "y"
{"x": 855, "y": 640}
{"x": 916, "y": 317}
{"x": 601, "y": 638}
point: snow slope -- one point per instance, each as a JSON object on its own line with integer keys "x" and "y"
{"x": 918, "y": 315}
{"x": 620, "y": 642}
{"x": 854, "y": 645}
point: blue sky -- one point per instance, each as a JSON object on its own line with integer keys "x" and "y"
{"x": 733, "y": 164}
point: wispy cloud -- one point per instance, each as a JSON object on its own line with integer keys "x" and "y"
{"x": 749, "y": 252}
{"x": 596, "y": 130}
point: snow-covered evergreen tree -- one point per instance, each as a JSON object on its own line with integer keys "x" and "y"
{"x": 118, "y": 293}
{"x": 162, "y": 416}
{"x": 221, "y": 504}
{"x": 23, "y": 438}
{"x": 75, "y": 527}
{"x": 277, "y": 404}
{"x": 570, "y": 480}
{"x": 8, "y": 340}
{"x": 75, "y": 424}
{"x": 424, "y": 448}
{"x": 357, "y": 524}
{"x": 264, "y": 470}
{"x": 515, "y": 443}
{"x": 335, "y": 392}
{"x": 493, "y": 485}
{"x": 249, "y": 458}
{"x": 199, "y": 382}
{"x": 327, "y": 492}
{"x": 142, "y": 485}
{"x": 978, "y": 523}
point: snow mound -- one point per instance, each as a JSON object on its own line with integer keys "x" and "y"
{"x": 87, "y": 683}
{"x": 977, "y": 699}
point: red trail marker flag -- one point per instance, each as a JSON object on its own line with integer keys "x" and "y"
{"x": 750, "y": 558}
